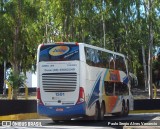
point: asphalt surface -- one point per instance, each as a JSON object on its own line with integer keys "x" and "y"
{"x": 133, "y": 121}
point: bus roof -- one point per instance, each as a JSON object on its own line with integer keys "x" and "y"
{"x": 103, "y": 49}
{"x": 87, "y": 45}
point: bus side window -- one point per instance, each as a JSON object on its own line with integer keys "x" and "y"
{"x": 124, "y": 66}
{"x": 93, "y": 57}
{"x": 101, "y": 64}
{"x": 96, "y": 58}
{"x": 106, "y": 60}
{"x": 121, "y": 88}
{"x": 111, "y": 63}
{"x": 109, "y": 86}
{"x": 102, "y": 59}
{"x": 120, "y": 63}
{"x": 88, "y": 56}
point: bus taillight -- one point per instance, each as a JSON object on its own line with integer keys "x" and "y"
{"x": 81, "y": 95}
{"x": 77, "y": 44}
{"x": 39, "y": 96}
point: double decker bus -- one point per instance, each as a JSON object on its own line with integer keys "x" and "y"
{"x": 81, "y": 80}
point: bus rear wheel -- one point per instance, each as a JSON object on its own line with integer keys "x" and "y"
{"x": 55, "y": 121}
{"x": 102, "y": 112}
{"x": 97, "y": 112}
{"x": 60, "y": 120}
{"x": 126, "y": 111}
{"x": 123, "y": 109}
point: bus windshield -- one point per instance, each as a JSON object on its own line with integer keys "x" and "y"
{"x": 58, "y": 52}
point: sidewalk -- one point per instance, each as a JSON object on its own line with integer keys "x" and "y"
{"x": 20, "y": 116}
{"x": 141, "y": 127}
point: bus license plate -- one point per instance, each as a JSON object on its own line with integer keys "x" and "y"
{"x": 59, "y": 109}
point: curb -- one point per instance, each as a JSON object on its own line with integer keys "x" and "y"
{"x": 26, "y": 116}
{"x": 144, "y": 111}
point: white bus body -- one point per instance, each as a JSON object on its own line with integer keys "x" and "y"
{"x": 73, "y": 81}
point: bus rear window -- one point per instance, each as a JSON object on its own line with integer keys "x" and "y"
{"x": 59, "y": 53}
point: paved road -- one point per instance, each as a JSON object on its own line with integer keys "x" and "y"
{"x": 142, "y": 120}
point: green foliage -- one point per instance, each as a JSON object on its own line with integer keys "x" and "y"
{"x": 20, "y": 34}
{"x": 25, "y": 24}
{"x": 16, "y": 80}
{"x": 156, "y": 65}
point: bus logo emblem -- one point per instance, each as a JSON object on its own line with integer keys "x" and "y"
{"x": 59, "y": 50}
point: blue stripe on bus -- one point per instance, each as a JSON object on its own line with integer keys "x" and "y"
{"x": 125, "y": 80}
{"x": 62, "y": 111}
{"x": 95, "y": 93}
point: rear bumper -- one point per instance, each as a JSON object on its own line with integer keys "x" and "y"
{"x": 62, "y": 111}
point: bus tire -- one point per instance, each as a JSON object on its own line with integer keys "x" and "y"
{"x": 60, "y": 120}
{"x": 55, "y": 121}
{"x": 123, "y": 109}
{"x": 97, "y": 112}
{"x": 102, "y": 112}
{"x": 126, "y": 112}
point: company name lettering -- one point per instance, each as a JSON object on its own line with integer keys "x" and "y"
{"x": 68, "y": 69}
{"x": 59, "y": 50}
{"x": 56, "y": 70}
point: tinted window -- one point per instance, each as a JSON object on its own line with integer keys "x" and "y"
{"x": 97, "y": 58}
{"x": 103, "y": 59}
{"x": 120, "y": 63}
{"x": 106, "y": 59}
{"x": 92, "y": 56}
{"x": 109, "y": 88}
{"x": 59, "y": 53}
{"x": 120, "y": 88}
{"x": 112, "y": 62}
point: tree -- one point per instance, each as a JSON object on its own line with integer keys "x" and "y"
{"x": 25, "y": 24}
{"x": 19, "y": 34}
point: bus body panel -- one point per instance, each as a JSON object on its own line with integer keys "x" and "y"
{"x": 113, "y": 104}
{"x": 65, "y": 82}
{"x": 62, "y": 111}
{"x": 93, "y": 83}
{"x": 59, "y": 83}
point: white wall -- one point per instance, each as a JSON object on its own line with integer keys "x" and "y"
{"x": 31, "y": 80}
{"x": 34, "y": 80}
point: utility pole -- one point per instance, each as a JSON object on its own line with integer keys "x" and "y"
{"x": 4, "y": 78}
{"x": 150, "y": 51}
{"x": 104, "y": 32}
{"x": 144, "y": 68}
